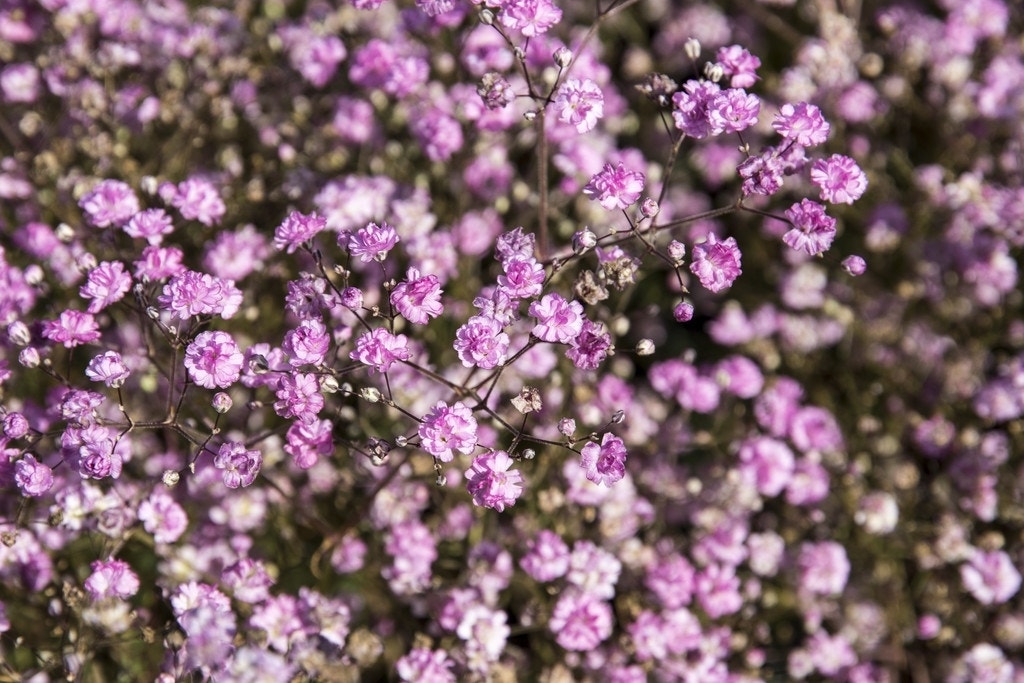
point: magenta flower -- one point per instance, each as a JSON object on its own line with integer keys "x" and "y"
{"x": 692, "y": 106}
{"x": 734, "y": 110}
{"x": 72, "y": 329}
{"x": 581, "y": 621}
{"x": 855, "y": 265}
{"x": 163, "y": 517}
{"x": 739, "y": 65}
{"x": 19, "y": 82}
{"x": 240, "y": 465}
{"x": 418, "y": 298}
{"x": 197, "y": 199}
{"x": 307, "y": 343}
{"x": 523, "y": 278}
{"x": 801, "y": 123}
{"x": 716, "y": 263}
{"x": 580, "y": 104}
{"x": 824, "y": 568}
{"x": 32, "y": 477}
{"x": 111, "y": 579}
{"x": 296, "y": 229}
{"x": 840, "y": 178}
{"x": 150, "y": 225}
{"x": 298, "y": 396}
{"x": 307, "y": 441}
{"x": 213, "y": 360}
{"x": 192, "y": 293}
{"x": 481, "y": 342}
{"x": 110, "y": 203}
{"x": 605, "y": 463}
{"x": 530, "y": 17}
{"x": 558, "y": 321}
{"x": 615, "y": 187}
{"x": 492, "y": 483}
{"x": 448, "y": 428}
{"x": 990, "y": 577}
{"x": 371, "y": 243}
{"x": 425, "y": 665}
{"x": 590, "y": 347}
{"x": 766, "y": 463}
{"x": 547, "y": 556}
{"x": 109, "y": 368}
{"x": 813, "y": 230}
{"x": 108, "y": 282}
{"x": 158, "y": 263}
{"x": 378, "y": 348}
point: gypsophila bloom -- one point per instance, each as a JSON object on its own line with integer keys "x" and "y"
{"x": 418, "y": 297}
{"x": 813, "y": 230}
{"x": 307, "y": 441}
{"x": 192, "y": 293}
{"x": 605, "y": 463}
{"x": 840, "y": 179}
{"x": 307, "y": 343}
{"x": 547, "y": 557}
{"x": 523, "y": 277}
{"x": 111, "y": 579}
{"x": 481, "y": 342}
{"x": 240, "y": 465}
{"x": 32, "y": 477}
{"x": 766, "y": 463}
{"x": 762, "y": 174}
{"x": 990, "y": 577}
{"x": 590, "y": 347}
{"x": 371, "y": 243}
{"x": 581, "y": 621}
{"x": 378, "y": 348}
{"x": 739, "y": 65}
{"x": 448, "y": 428}
{"x": 492, "y": 483}
{"x": 422, "y": 665}
{"x": 298, "y": 396}
{"x": 558, "y": 321}
{"x": 150, "y": 225}
{"x": 580, "y": 104}
{"x": 109, "y": 368}
{"x": 615, "y": 187}
{"x": 692, "y": 106}
{"x": 213, "y": 360}
{"x": 495, "y": 91}
{"x": 297, "y": 229}
{"x": 801, "y": 123}
{"x": 854, "y": 265}
{"x": 72, "y": 328}
{"x": 110, "y": 203}
{"x": 163, "y": 517}
{"x": 530, "y": 17}
{"x": 824, "y": 568}
{"x": 106, "y": 283}
{"x": 197, "y": 199}
{"x": 716, "y": 263}
{"x": 683, "y": 312}
{"x": 734, "y": 110}
{"x": 15, "y": 425}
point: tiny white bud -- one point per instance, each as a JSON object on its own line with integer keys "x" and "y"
{"x": 530, "y": 115}
{"x": 618, "y": 417}
{"x": 487, "y": 17}
{"x": 714, "y": 71}
{"x": 329, "y": 384}
{"x": 529, "y": 454}
{"x": 29, "y": 357}
{"x": 65, "y": 233}
{"x": 371, "y": 394}
{"x": 222, "y": 402}
{"x": 149, "y": 184}
{"x": 34, "y": 275}
{"x": 18, "y": 333}
{"x": 692, "y": 48}
{"x": 171, "y": 478}
{"x": 442, "y": 480}
{"x": 645, "y": 347}
{"x": 401, "y": 441}
{"x": 562, "y": 57}
{"x": 152, "y": 312}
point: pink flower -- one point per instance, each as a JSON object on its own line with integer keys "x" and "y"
{"x": 109, "y": 368}
{"x": 213, "y": 360}
{"x": 581, "y": 621}
{"x": 767, "y": 464}
{"x": 481, "y": 342}
{"x": 71, "y": 329}
{"x": 307, "y": 344}
{"x": 296, "y": 229}
{"x": 739, "y": 65}
{"x": 192, "y": 293}
{"x": 491, "y": 483}
{"x": 448, "y": 428}
{"x": 840, "y": 178}
{"x": 614, "y": 187}
{"x": 824, "y": 568}
{"x": 150, "y": 224}
{"x": 111, "y": 579}
{"x": 558, "y": 321}
{"x": 990, "y": 577}
{"x": 371, "y": 243}
{"x": 106, "y": 283}
{"x": 590, "y": 347}
{"x": 240, "y": 465}
{"x": 197, "y": 199}
{"x": 307, "y": 441}
{"x": 298, "y": 396}
{"x": 378, "y": 348}
{"x": 547, "y": 557}
{"x": 32, "y": 477}
{"x": 418, "y": 298}
{"x": 523, "y": 278}
{"x": 801, "y": 123}
{"x": 813, "y": 230}
{"x": 163, "y": 517}
{"x": 530, "y": 17}
{"x": 716, "y": 264}
{"x": 111, "y": 202}
{"x": 605, "y": 463}
{"x": 580, "y": 104}
{"x": 734, "y": 110}
{"x": 692, "y": 106}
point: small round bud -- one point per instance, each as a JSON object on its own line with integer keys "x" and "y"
{"x": 645, "y": 347}
{"x": 15, "y": 425}
{"x": 855, "y": 265}
{"x": 171, "y": 478}
{"x": 29, "y": 357}
{"x": 149, "y": 184}
{"x": 329, "y": 384}
{"x": 562, "y": 57}
{"x": 529, "y": 454}
{"x": 370, "y": 394}
{"x": 65, "y": 233}
{"x": 649, "y": 207}
{"x": 618, "y": 416}
{"x": 692, "y": 48}
{"x": 401, "y": 441}
{"x": 487, "y": 17}
{"x": 714, "y": 71}
{"x": 18, "y": 333}
{"x": 153, "y": 312}
{"x": 583, "y": 241}
{"x": 530, "y": 115}
{"x": 683, "y": 312}
{"x": 86, "y": 262}
{"x": 442, "y": 480}
{"x": 222, "y": 402}
{"x": 34, "y": 275}
{"x": 676, "y": 251}
{"x": 567, "y": 426}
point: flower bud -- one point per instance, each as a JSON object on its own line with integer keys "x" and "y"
{"x": 170, "y": 478}
{"x": 18, "y": 333}
{"x": 222, "y": 402}
{"x": 34, "y": 275}
{"x": 683, "y": 312}
{"x": 65, "y": 233}
{"x": 486, "y": 17}
{"x": 370, "y": 394}
{"x": 329, "y": 384}
{"x": 562, "y": 57}
{"x": 645, "y": 347}
{"x": 676, "y": 251}
{"x": 29, "y": 357}
{"x": 692, "y": 48}
{"x": 649, "y": 207}
{"x": 15, "y": 425}
{"x": 583, "y": 241}
{"x": 567, "y": 426}
{"x": 714, "y": 71}
{"x": 618, "y": 416}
